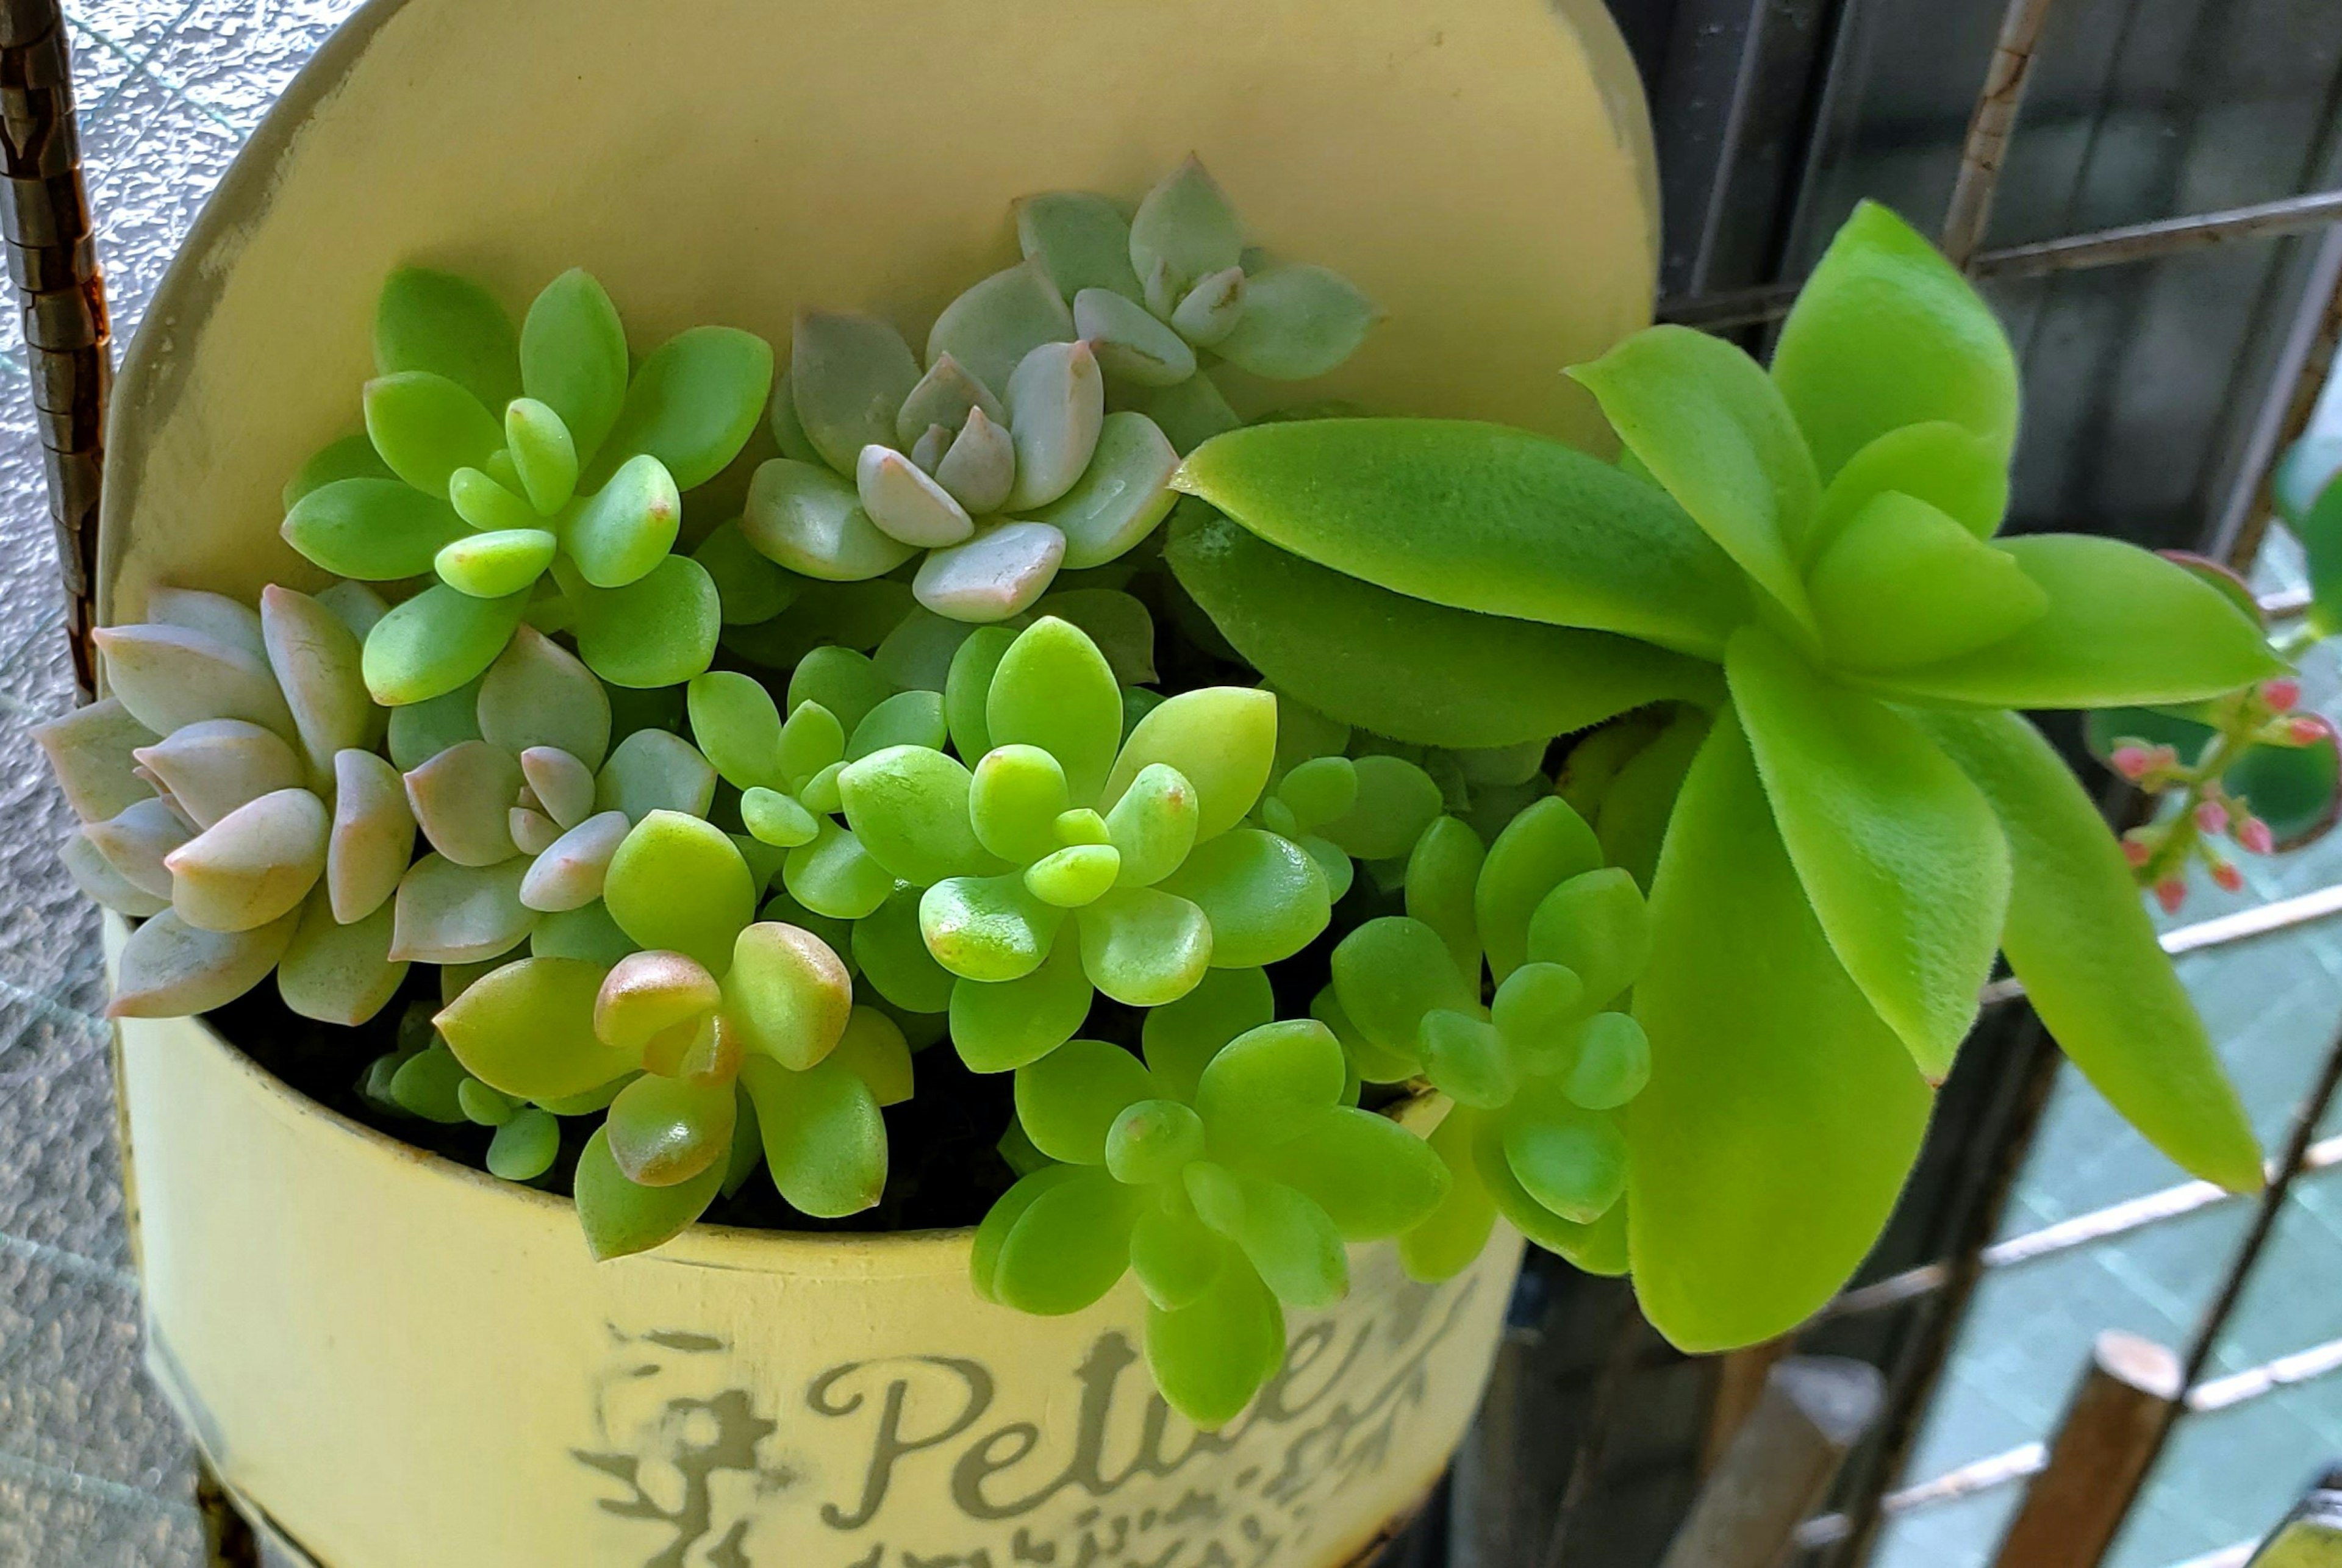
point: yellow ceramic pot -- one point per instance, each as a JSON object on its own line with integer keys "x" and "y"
{"x": 402, "y": 1362}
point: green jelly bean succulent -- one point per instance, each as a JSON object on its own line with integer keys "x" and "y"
{"x": 1223, "y": 1170}
{"x": 1540, "y": 1072}
{"x": 535, "y": 477}
{"x": 1809, "y": 556}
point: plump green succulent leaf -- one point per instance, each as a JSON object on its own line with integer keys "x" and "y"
{"x": 811, "y": 522}
{"x": 1143, "y": 947}
{"x": 1221, "y": 739}
{"x": 1001, "y": 1026}
{"x": 1056, "y": 399}
{"x": 1154, "y": 825}
{"x": 1613, "y": 1064}
{"x": 485, "y": 505}
{"x": 1900, "y": 854}
{"x": 2124, "y": 627}
{"x": 842, "y": 680}
{"x": 427, "y": 426}
{"x": 693, "y": 403}
{"x": 849, "y": 376}
{"x": 894, "y": 958}
{"x": 90, "y": 752}
{"x": 1210, "y": 1357}
{"x": 1710, "y": 427}
{"x": 462, "y": 800}
{"x": 1392, "y": 971}
{"x": 994, "y": 324}
{"x": 665, "y": 1131}
{"x": 1133, "y": 347}
{"x": 659, "y": 629}
{"x": 1082, "y": 241}
{"x": 738, "y": 728}
{"x": 1782, "y": 1114}
{"x": 1068, "y": 1243}
{"x": 1947, "y": 465}
{"x": 1905, "y": 583}
{"x": 1069, "y": 1100}
{"x": 905, "y": 719}
{"x": 1175, "y": 1257}
{"x": 527, "y": 1029}
{"x": 1886, "y": 333}
{"x": 1263, "y": 895}
{"x": 1189, "y": 413}
{"x": 374, "y": 529}
{"x": 1596, "y": 925}
{"x": 1478, "y": 517}
{"x": 908, "y": 804}
{"x": 2079, "y": 939}
{"x": 824, "y": 1140}
{"x": 1573, "y": 1162}
{"x": 621, "y": 1216}
{"x": 750, "y": 586}
{"x": 834, "y": 875}
{"x": 1291, "y": 1243}
{"x": 1443, "y": 873}
{"x": 1396, "y": 801}
{"x": 625, "y": 528}
{"x": 1632, "y": 819}
{"x": 1446, "y": 1241}
{"x": 987, "y": 928}
{"x": 436, "y": 642}
{"x": 497, "y": 565}
{"x": 169, "y": 969}
{"x": 1538, "y": 1009}
{"x": 1257, "y": 1090}
{"x": 994, "y": 576}
{"x": 544, "y": 453}
{"x": 678, "y": 883}
{"x": 654, "y": 770}
{"x": 450, "y": 326}
{"x": 526, "y": 1146}
{"x": 573, "y": 357}
{"x": 1372, "y": 1176}
{"x": 337, "y": 973}
{"x": 1543, "y": 847}
{"x": 1405, "y": 667}
{"x": 1184, "y": 229}
{"x": 1296, "y": 322}
{"x": 1467, "y": 1060}
{"x": 788, "y": 992}
{"x": 1121, "y": 495}
{"x": 1182, "y": 1037}
{"x": 351, "y": 457}
{"x": 1053, "y": 690}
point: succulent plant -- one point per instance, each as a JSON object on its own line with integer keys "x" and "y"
{"x": 1223, "y": 1170}
{"x": 215, "y": 785}
{"x": 1165, "y": 290}
{"x": 533, "y": 477}
{"x": 999, "y": 460}
{"x": 1538, "y": 1073}
{"x": 1823, "y": 533}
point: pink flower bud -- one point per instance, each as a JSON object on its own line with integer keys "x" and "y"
{"x": 2228, "y": 878}
{"x": 2171, "y": 893}
{"x": 2254, "y": 835}
{"x": 2212, "y": 816}
{"x": 2281, "y": 694}
{"x": 2133, "y": 760}
{"x": 2136, "y": 850}
{"x": 2305, "y": 732}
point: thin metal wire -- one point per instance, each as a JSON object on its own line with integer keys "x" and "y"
{"x": 1988, "y": 129}
{"x": 2073, "y": 252}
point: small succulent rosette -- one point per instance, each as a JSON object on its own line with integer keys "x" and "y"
{"x": 528, "y": 475}
{"x": 999, "y": 464}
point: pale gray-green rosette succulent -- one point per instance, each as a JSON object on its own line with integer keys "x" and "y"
{"x": 1166, "y": 292}
{"x": 225, "y": 804}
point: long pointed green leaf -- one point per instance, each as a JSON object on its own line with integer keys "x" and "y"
{"x": 1407, "y": 668}
{"x": 2080, "y": 939}
{"x": 1477, "y": 517}
{"x": 1886, "y": 333}
{"x": 1899, "y": 854}
{"x": 1782, "y": 1115}
{"x": 1712, "y": 430}
{"x": 2124, "y": 628}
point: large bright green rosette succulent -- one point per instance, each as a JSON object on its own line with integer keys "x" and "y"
{"x": 1811, "y": 553}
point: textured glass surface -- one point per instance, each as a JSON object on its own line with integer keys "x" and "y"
{"x": 94, "y": 1473}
